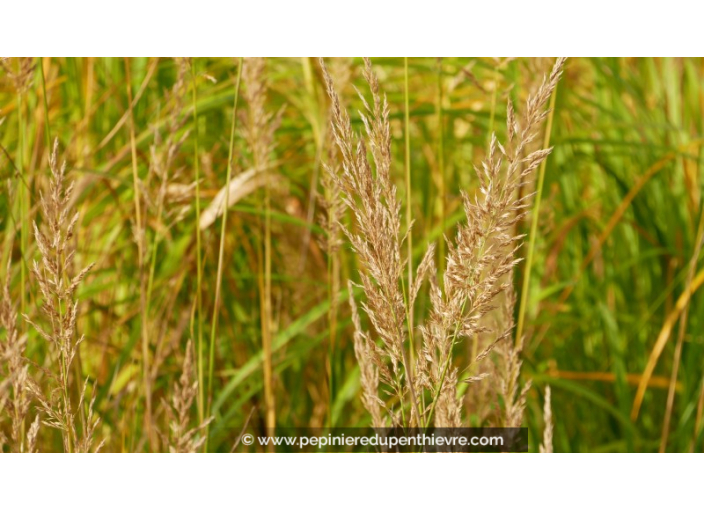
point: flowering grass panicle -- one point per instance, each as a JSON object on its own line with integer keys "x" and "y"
{"x": 479, "y": 264}
{"x": 57, "y": 283}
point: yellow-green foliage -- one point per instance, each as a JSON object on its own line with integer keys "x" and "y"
{"x": 606, "y": 309}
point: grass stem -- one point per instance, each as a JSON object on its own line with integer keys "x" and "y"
{"x": 139, "y": 235}
{"x": 525, "y": 289}
{"x": 199, "y": 251}
{"x": 409, "y": 209}
{"x": 221, "y": 249}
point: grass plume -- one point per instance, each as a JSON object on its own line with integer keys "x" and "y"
{"x": 57, "y": 281}
{"x": 479, "y": 263}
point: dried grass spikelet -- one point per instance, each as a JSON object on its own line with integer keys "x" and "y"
{"x": 162, "y": 196}
{"x": 331, "y": 210}
{"x": 480, "y": 261}
{"x": 520, "y": 136}
{"x": 164, "y": 206}
{"x": 4, "y": 396}
{"x": 14, "y": 394}
{"x": 330, "y": 201}
{"x": 368, "y": 356}
{"x": 240, "y": 186}
{"x": 21, "y": 77}
{"x": 509, "y": 371}
{"x": 259, "y": 124}
{"x": 368, "y": 192}
{"x": 57, "y": 284}
{"x": 182, "y": 437}
{"x": 546, "y": 446}
{"x": 331, "y": 207}
{"x": 88, "y": 423}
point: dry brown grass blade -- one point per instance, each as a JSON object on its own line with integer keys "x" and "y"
{"x": 680, "y": 336}
{"x": 240, "y": 186}
{"x": 140, "y": 241}
{"x": 655, "y": 381}
{"x": 244, "y": 427}
{"x": 661, "y": 341}
{"x": 698, "y": 419}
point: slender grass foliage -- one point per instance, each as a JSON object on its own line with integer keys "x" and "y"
{"x": 412, "y": 242}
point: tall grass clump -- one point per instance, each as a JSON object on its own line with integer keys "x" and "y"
{"x": 479, "y": 266}
{"x": 58, "y": 281}
{"x": 200, "y": 202}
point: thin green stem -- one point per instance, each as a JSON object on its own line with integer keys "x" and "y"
{"x": 409, "y": 219}
{"x": 140, "y": 252}
{"x": 24, "y": 202}
{"x": 441, "y": 168}
{"x": 492, "y": 114}
{"x": 331, "y": 340}
{"x": 534, "y": 229}
{"x": 267, "y": 316}
{"x": 221, "y": 250}
{"x": 199, "y": 251}
{"x": 47, "y": 132}
{"x": 445, "y": 367}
